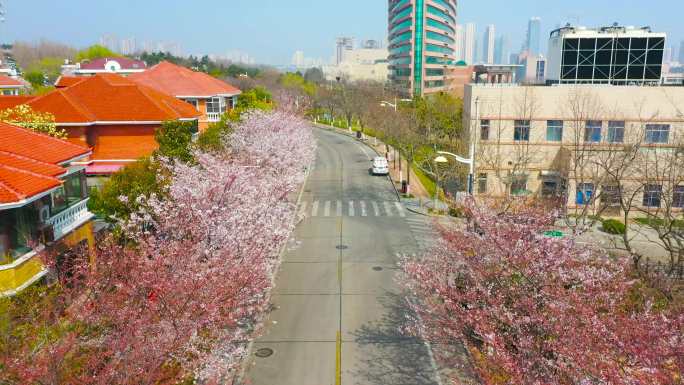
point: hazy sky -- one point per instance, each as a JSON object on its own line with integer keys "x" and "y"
{"x": 271, "y": 30}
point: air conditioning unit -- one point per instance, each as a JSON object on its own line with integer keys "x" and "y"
{"x": 44, "y": 214}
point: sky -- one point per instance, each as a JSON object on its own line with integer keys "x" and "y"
{"x": 272, "y": 30}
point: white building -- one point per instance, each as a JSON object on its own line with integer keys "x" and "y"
{"x": 489, "y": 44}
{"x": 469, "y": 43}
{"x": 361, "y": 64}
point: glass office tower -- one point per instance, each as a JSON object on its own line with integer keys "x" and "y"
{"x": 422, "y": 44}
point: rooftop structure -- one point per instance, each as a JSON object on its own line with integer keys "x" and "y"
{"x": 609, "y": 55}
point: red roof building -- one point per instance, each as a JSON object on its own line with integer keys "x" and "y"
{"x": 118, "y": 65}
{"x": 10, "y": 86}
{"x": 43, "y": 199}
{"x": 32, "y": 163}
{"x": 210, "y": 96}
{"x": 113, "y": 115}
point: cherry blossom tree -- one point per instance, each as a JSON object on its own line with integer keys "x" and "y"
{"x": 180, "y": 294}
{"x": 537, "y": 310}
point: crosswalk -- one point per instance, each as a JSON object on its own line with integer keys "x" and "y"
{"x": 352, "y": 208}
{"x": 422, "y": 230}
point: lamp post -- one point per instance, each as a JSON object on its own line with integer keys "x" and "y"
{"x": 438, "y": 160}
{"x": 469, "y": 161}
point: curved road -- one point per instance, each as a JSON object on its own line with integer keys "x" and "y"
{"x": 337, "y": 306}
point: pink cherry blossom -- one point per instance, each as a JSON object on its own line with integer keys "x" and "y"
{"x": 536, "y": 310}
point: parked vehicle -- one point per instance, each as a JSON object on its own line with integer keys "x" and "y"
{"x": 380, "y": 166}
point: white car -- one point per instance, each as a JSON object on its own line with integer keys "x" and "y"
{"x": 380, "y": 166}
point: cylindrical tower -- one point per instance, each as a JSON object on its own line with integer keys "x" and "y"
{"x": 422, "y": 44}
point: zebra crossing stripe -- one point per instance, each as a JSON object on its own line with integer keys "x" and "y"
{"x": 326, "y": 210}
{"x": 400, "y": 208}
{"x": 338, "y": 209}
{"x": 314, "y": 209}
{"x": 364, "y": 212}
{"x": 388, "y": 209}
{"x": 376, "y": 209}
{"x": 351, "y": 208}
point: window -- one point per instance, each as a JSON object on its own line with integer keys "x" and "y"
{"x": 549, "y": 188}
{"x": 611, "y": 196}
{"x": 592, "y": 132}
{"x": 616, "y": 132}
{"x": 213, "y": 106}
{"x": 554, "y": 131}
{"x": 193, "y": 102}
{"x": 652, "y": 195}
{"x": 585, "y": 193}
{"x": 657, "y": 133}
{"x": 519, "y": 185}
{"x": 678, "y": 197}
{"x": 484, "y": 129}
{"x": 482, "y": 184}
{"x": 522, "y": 131}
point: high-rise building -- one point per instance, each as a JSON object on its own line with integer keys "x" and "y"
{"x": 469, "y": 43}
{"x": 489, "y": 44}
{"x": 422, "y": 44}
{"x": 668, "y": 55}
{"x": 110, "y": 41}
{"x": 681, "y": 52}
{"x": 298, "y": 59}
{"x": 344, "y": 45}
{"x": 501, "y": 51}
{"x": 458, "y": 36}
{"x": 609, "y": 55}
{"x": 128, "y": 46}
{"x": 533, "y": 36}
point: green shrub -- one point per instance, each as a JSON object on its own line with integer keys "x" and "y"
{"x": 612, "y": 226}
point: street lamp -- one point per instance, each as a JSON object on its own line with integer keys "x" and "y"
{"x": 469, "y": 161}
{"x": 438, "y": 160}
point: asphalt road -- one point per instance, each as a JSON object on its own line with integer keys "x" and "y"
{"x": 338, "y": 309}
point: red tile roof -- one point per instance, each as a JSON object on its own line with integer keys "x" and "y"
{"x": 111, "y": 98}
{"x": 68, "y": 81}
{"x": 13, "y": 101}
{"x": 30, "y": 162}
{"x": 125, "y": 63}
{"x": 180, "y": 81}
{"x": 6, "y": 81}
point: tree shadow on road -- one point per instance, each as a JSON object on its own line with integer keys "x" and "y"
{"x": 387, "y": 356}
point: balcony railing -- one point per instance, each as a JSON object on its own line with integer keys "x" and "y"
{"x": 213, "y": 116}
{"x": 70, "y": 219}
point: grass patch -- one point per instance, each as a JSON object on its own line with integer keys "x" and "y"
{"x": 425, "y": 180}
{"x": 659, "y": 222}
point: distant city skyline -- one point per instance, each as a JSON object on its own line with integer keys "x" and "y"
{"x": 272, "y": 31}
